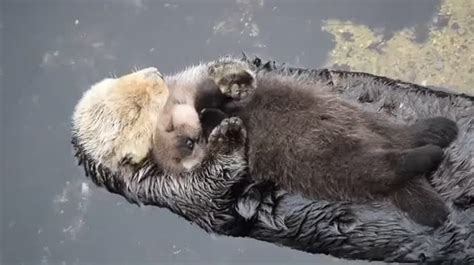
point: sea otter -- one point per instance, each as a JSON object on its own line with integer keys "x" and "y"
{"x": 311, "y": 142}
{"x": 106, "y": 114}
{"x": 376, "y": 231}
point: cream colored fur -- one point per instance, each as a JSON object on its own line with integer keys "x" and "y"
{"x": 115, "y": 119}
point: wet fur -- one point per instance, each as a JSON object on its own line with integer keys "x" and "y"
{"x": 179, "y": 121}
{"x": 370, "y": 231}
{"x": 314, "y": 143}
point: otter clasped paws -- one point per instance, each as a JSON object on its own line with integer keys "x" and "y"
{"x": 234, "y": 79}
{"x": 228, "y": 136}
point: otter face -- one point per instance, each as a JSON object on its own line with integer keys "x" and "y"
{"x": 178, "y": 144}
{"x": 115, "y": 119}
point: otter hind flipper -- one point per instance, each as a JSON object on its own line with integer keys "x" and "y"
{"x": 420, "y": 160}
{"x": 438, "y": 131}
{"x": 421, "y": 203}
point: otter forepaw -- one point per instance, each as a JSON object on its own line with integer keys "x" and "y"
{"x": 234, "y": 79}
{"x": 437, "y": 131}
{"x": 228, "y": 136}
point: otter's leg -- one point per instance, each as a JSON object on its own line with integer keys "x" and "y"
{"x": 419, "y": 160}
{"x": 234, "y": 78}
{"x": 228, "y": 137}
{"x": 436, "y": 131}
{"x": 398, "y": 167}
{"x": 421, "y": 202}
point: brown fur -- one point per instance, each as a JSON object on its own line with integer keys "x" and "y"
{"x": 179, "y": 121}
{"x": 178, "y": 144}
{"x": 311, "y": 142}
{"x": 321, "y": 147}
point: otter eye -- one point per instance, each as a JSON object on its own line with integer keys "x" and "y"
{"x": 190, "y": 143}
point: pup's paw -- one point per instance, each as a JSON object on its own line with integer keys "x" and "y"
{"x": 437, "y": 131}
{"x": 228, "y": 136}
{"x": 234, "y": 79}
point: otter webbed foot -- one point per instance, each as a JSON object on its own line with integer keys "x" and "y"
{"x": 228, "y": 136}
{"x": 436, "y": 131}
{"x": 422, "y": 203}
{"x": 420, "y": 160}
{"x": 234, "y": 79}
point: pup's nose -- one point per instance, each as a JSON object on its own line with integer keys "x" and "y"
{"x": 151, "y": 72}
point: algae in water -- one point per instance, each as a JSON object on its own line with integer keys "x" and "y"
{"x": 445, "y": 58}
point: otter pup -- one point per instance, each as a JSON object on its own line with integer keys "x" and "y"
{"x": 311, "y": 142}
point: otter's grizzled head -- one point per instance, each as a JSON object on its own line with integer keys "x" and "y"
{"x": 114, "y": 121}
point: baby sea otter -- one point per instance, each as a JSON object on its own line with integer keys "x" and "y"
{"x": 314, "y": 143}
{"x": 300, "y": 136}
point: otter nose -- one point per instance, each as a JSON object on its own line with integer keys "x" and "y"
{"x": 151, "y": 72}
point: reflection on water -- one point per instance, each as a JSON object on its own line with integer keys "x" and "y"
{"x": 444, "y": 58}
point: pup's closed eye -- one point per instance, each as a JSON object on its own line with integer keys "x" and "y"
{"x": 190, "y": 143}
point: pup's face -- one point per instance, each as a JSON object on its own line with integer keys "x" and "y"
{"x": 115, "y": 119}
{"x": 178, "y": 142}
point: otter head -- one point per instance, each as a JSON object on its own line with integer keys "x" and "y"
{"x": 115, "y": 119}
{"x": 178, "y": 144}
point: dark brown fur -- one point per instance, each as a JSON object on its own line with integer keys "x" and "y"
{"x": 178, "y": 144}
{"x": 311, "y": 142}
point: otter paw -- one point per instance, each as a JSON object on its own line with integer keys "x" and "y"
{"x": 228, "y": 136}
{"x": 436, "y": 131}
{"x": 234, "y": 79}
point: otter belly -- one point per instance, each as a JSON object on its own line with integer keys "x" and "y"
{"x": 308, "y": 146}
